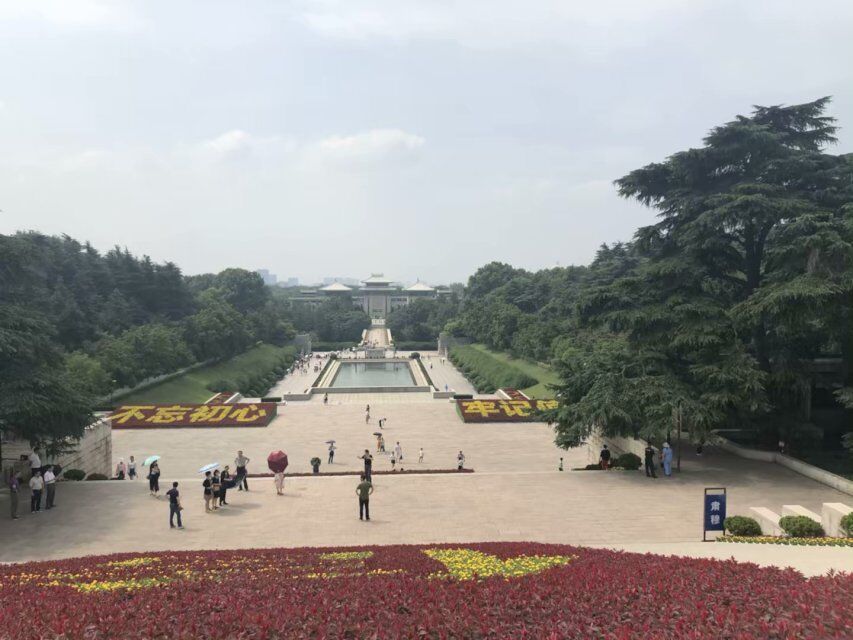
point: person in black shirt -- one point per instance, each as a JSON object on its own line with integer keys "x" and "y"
{"x": 650, "y": 461}
{"x": 368, "y": 464}
{"x": 604, "y": 458}
{"x": 224, "y": 485}
{"x": 174, "y": 506}
{"x": 216, "y": 485}
{"x": 208, "y": 491}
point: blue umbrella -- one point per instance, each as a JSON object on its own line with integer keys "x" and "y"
{"x": 208, "y": 467}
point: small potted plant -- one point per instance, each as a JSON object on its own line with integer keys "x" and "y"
{"x": 315, "y": 464}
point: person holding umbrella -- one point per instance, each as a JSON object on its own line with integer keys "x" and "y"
{"x": 153, "y": 474}
{"x": 332, "y": 448}
{"x": 207, "y": 484}
{"x": 277, "y": 462}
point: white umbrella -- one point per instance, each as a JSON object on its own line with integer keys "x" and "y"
{"x": 208, "y": 467}
{"x": 149, "y": 460}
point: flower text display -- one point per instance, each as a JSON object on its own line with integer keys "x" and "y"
{"x": 148, "y": 416}
{"x": 503, "y": 410}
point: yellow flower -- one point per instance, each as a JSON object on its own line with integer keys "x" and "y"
{"x": 466, "y": 564}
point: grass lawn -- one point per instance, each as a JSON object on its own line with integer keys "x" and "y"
{"x": 542, "y": 373}
{"x": 191, "y": 387}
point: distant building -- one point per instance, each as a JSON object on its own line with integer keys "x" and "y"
{"x": 350, "y": 282}
{"x": 268, "y": 278}
{"x": 377, "y": 296}
{"x": 290, "y": 282}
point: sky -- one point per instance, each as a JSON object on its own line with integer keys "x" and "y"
{"x": 420, "y": 139}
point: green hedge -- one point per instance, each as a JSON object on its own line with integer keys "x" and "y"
{"x": 801, "y": 527}
{"x": 742, "y": 526}
{"x": 416, "y": 346}
{"x": 487, "y": 373}
{"x": 258, "y": 381}
{"x": 847, "y": 524}
{"x": 331, "y": 346}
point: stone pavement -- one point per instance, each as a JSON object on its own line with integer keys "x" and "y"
{"x": 515, "y": 493}
{"x": 446, "y": 373}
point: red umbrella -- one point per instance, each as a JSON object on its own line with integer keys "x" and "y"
{"x": 277, "y": 461}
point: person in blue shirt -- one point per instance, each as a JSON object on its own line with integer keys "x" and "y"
{"x": 666, "y": 457}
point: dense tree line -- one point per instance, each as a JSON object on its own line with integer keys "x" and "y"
{"x": 332, "y": 320}
{"x": 423, "y": 319}
{"x": 75, "y": 325}
{"x": 712, "y": 316}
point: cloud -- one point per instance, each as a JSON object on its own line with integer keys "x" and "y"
{"x": 371, "y": 145}
{"x": 492, "y": 23}
{"x": 65, "y": 13}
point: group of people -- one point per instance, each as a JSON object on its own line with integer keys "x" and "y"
{"x": 605, "y": 459}
{"x": 42, "y": 482}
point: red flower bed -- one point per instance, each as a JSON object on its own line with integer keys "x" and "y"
{"x": 490, "y": 590}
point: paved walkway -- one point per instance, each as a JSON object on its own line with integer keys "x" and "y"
{"x": 516, "y": 492}
{"x": 299, "y": 382}
{"x": 444, "y": 373}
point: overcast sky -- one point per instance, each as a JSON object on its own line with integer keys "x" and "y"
{"x": 421, "y": 139}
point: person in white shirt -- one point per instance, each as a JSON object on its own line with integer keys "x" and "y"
{"x": 460, "y": 461}
{"x": 421, "y": 455}
{"x": 36, "y": 486}
{"x": 398, "y": 451}
{"x": 35, "y": 462}
{"x": 50, "y": 487}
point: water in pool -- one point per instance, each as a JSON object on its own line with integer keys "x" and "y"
{"x": 374, "y": 374}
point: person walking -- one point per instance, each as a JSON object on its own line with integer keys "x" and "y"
{"x": 393, "y": 462}
{"x": 604, "y": 458}
{"x": 367, "y": 416}
{"x": 154, "y": 479}
{"x": 49, "y": 487}
{"x": 36, "y": 486}
{"x": 398, "y": 452}
{"x": 379, "y": 443}
{"x": 241, "y": 462}
{"x": 421, "y": 455}
{"x": 279, "y": 482}
{"x": 332, "y": 448}
{"x": 560, "y": 468}
{"x": 368, "y": 464}
{"x": 460, "y": 461}
{"x": 14, "y": 489}
{"x": 131, "y": 468}
{"x": 650, "y": 461}
{"x": 224, "y": 484}
{"x": 382, "y": 444}
{"x": 326, "y": 398}
{"x": 667, "y": 459}
{"x": 120, "y": 469}
{"x": 207, "y": 485}
{"x": 175, "y": 507}
{"x": 363, "y": 491}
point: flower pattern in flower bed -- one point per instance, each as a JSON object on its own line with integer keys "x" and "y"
{"x": 487, "y": 590}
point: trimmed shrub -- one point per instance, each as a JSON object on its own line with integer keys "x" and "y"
{"x": 416, "y": 346}
{"x": 218, "y": 386}
{"x": 629, "y": 461}
{"x": 96, "y": 476}
{"x": 74, "y": 474}
{"x": 487, "y": 373}
{"x": 742, "y": 526}
{"x": 847, "y": 524}
{"x": 415, "y": 355}
{"x": 271, "y": 399}
{"x": 801, "y": 527}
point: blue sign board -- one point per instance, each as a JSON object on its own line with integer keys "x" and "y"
{"x": 715, "y": 509}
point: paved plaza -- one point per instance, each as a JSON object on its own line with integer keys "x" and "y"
{"x": 515, "y": 492}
